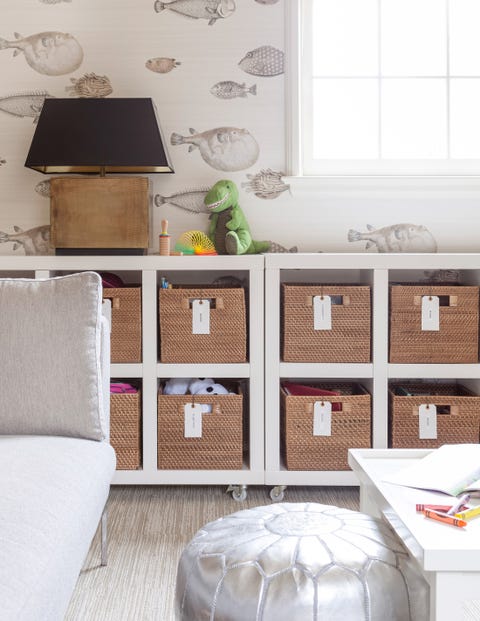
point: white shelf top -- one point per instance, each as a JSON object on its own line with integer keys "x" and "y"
{"x": 366, "y": 260}
{"x": 132, "y": 262}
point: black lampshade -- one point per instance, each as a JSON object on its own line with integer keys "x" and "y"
{"x": 119, "y": 135}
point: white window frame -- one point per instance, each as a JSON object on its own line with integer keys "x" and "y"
{"x": 462, "y": 176}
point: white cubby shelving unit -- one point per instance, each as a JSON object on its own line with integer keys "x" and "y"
{"x": 378, "y": 271}
{"x": 262, "y": 276}
{"x": 190, "y": 270}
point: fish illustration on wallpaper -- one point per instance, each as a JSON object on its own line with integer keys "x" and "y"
{"x": 24, "y": 104}
{"x": 402, "y": 237}
{"x": 266, "y": 184}
{"x": 2, "y": 161}
{"x": 56, "y": 1}
{"x": 90, "y": 85}
{"x": 223, "y": 148}
{"x": 161, "y": 64}
{"x": 277, "y": 248}
{"x": 266, "y": 1}
{"x": 49, "y": 53}
{"x": 33, "y": 241}
{"x": 230, "y": 90}
{"x": 265, "y": 61}
{"x": 199, "y": 9}
{"x": 43, "y": 188}
{"x": 190, "y": 200}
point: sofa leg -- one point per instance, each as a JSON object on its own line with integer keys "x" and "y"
{"x": 103, "y": 523}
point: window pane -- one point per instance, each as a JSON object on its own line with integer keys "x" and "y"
{"x": 345, "y": 37}
{"x": 464, "y": 37}
{"x": 464, "y": 125}
{"x": 413, "y": 37}
{"x": 346, "y": 118}
{"x": 414, "y": 118}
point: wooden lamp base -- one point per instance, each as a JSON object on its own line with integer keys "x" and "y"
{"x": 107, "y": 215}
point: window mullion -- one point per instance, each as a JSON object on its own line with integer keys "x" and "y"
{"x": 447, "y": 79}
{"x": 380, "y": 77}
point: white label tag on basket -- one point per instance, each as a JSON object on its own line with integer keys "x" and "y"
{"x": 430, "y": 313}
{"x": 201, "y": 317}
{"x": 427, "y": 421}
{"x": 193, "y": 420}
{"x": 322, "y": 418}
{"x": 322, "y": 312}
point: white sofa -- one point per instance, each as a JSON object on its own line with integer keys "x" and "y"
{"x": 56, "y": 464}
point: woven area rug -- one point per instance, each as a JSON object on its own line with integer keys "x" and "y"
{"x": 148, "y": 529}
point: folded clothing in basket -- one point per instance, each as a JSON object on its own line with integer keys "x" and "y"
{"x": 111, "y": 281}
{"x": 119, "y": 387}
{"x": 303, "y": 390}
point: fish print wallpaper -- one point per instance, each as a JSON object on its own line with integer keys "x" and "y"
{"x": 215, "y": 70}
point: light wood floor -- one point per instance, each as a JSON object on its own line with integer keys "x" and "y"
{"x": 148, "y": 529}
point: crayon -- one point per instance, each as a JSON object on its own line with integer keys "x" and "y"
{"x": 420, "y": 508}
{"x": 443, "y": 508}
{"x": 456, "y": 507}
{"x": 444, "y": 518}
{"x": 469, "y": 513}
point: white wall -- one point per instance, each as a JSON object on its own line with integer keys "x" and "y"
{"x": 117, "y": 37}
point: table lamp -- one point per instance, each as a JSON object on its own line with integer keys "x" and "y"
{"x": 105, "y": 214}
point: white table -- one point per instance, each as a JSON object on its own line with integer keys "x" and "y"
{"x": 449, "y": 557}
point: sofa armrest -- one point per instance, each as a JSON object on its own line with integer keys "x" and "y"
{"x": 105, "y": 362}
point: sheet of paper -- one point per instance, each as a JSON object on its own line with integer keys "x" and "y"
{"x": 450, "y": 469}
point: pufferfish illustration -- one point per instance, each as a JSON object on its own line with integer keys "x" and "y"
{"x": 199, "y": 9}
{"x": 49, "y": 53}
{"x": 402, "y": 237}
{"x": 223, "y": 148}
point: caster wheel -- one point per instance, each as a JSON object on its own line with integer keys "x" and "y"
{"x": 239, "y": 492}
{"x": 277, "y": 494}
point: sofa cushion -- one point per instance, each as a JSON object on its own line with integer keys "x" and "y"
{"x": 53, "y": 491}
{"x": 50, "y": 380}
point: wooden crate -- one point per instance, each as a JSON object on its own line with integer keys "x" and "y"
{"x": 457, "y": 339}
{"x": 227, "y": 339}
{"x": 220, "y": 446}
{"x": 458, "y": 415}
{"x": 126, "y": 332}
{"x": 126, "y": 429}
{"x": 348, "y": 340}
{"x": 351, "y": 427}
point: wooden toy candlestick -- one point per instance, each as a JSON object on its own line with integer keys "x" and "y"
{"x": 164, "y": 239}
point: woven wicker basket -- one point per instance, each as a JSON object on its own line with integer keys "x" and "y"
{"x": 227, "y": 339}
{"x": 461, "y": 425}
{"x": 221, "y": 444}
{"x": 351, "y": 428}
{"x": 126, "y": 430}
{"x": 457, "y": 339}
{"x": 349, "y": 338}
{"x": 126, "y": 335}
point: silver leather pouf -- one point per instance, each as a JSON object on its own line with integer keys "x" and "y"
{"x": 298, "y": 562}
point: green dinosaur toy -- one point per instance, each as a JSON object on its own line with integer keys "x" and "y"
{"x": 229, "y": 230}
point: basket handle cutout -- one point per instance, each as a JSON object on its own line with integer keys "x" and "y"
{"x": 445, "y": 410}
{"x": 187, "y": 303}
{"x": 336, "y": 300}
{"x": 115, "y": 302}
{"x": 337, "y": 406}
{"x": 443, "y": 300}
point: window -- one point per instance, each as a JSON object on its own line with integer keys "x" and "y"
{"x": 384, "y": 87}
